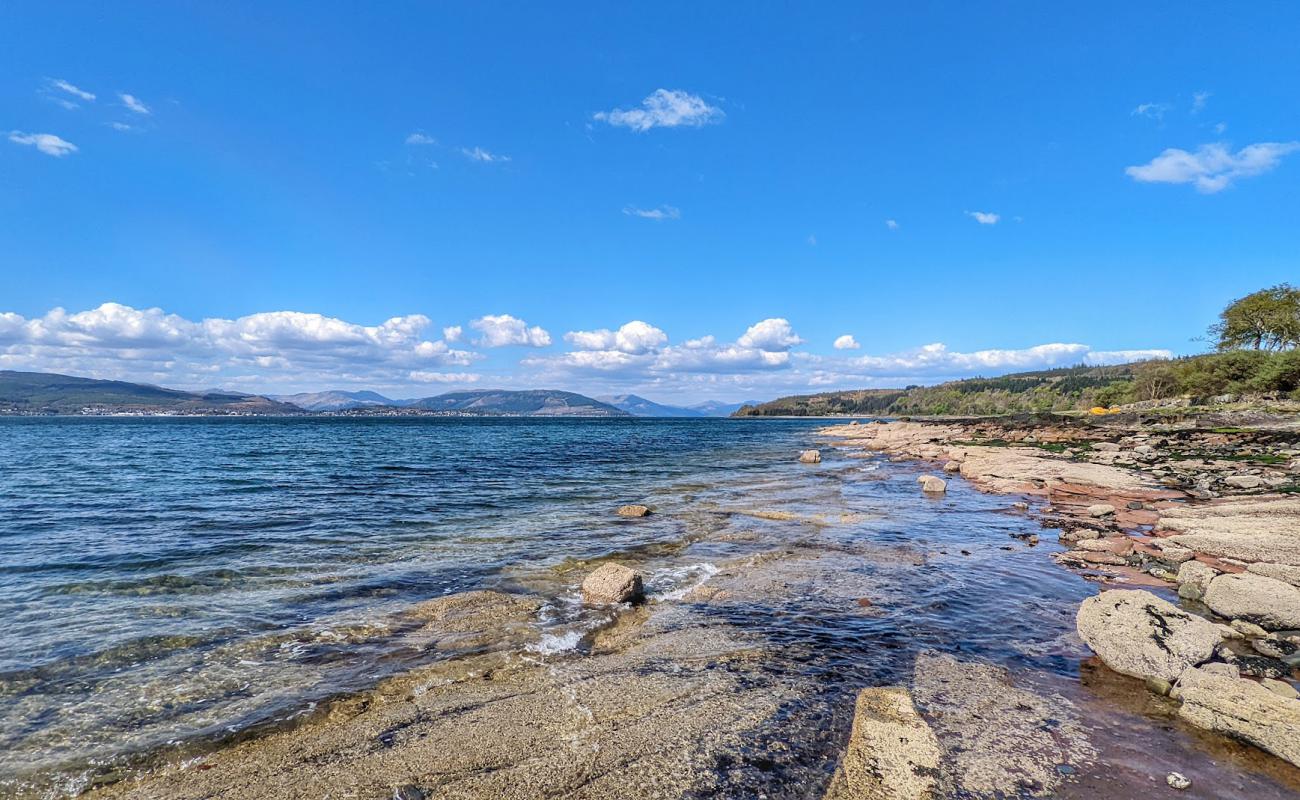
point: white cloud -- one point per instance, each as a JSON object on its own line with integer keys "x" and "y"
{"x": 1104, "y": 357}
{"x": 120, "y": 126}
{"x": 664, "y": 108}
{"x": 134, "y": 103}
{"x": 479, "y": 154}
{"x": 62, "y": 85}
{"x": 270, "y": 348}
{"x": 633, "y": 338}
{"x": 892, "y": 224}
{"x": 846, "y": 342}
{"x": 658, "y": 214}
{"x": 500, "y": 330}
{"x": 770, "y": 335}
{"x": 1198, "y": 101}
{"x": 424, "y": 376}
{"x": 452, "y": 333}
{"x": 984, "y": 217}
{"x": 420, "y": 138}
{"x": 47, "y": 143}
{"x": 1154, "y": 111}
{"x": 1213, "y": 167}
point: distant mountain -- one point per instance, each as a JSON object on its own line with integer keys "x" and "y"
{"x": 641, "y": 407}
{"x": 716, "y": 408}
{"x": 335, "y": 400}
{"x": 48, "y": 393}
{"x": 530, "y": 403}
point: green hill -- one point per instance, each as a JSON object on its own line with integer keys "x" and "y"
{"x": 1199, "y": 378}
{"x": 49, "y": 393}
{"x": 532, "y": 403}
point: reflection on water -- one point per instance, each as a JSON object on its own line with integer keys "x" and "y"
{"x": 173, "y": 581}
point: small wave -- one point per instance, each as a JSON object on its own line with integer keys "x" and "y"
{"x": 676, "y": 582}
{"x": 552, "y": 643}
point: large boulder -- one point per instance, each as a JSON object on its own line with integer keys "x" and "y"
{"x": 1136, "y": 633}
{"x": 810, "y": 457}
{"x": 933, "y": 485}
{"x": 613, "y": 583}
{"x": 1267, "y": 602}
{"x": 1241, "y": 709}
{"x": 892, "y": 753}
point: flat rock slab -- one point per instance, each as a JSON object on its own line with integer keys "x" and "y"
{"x": 1268, "y": 602}
{"x": 1136, "y": 633}
{"x": 1242, "y": 709}
{"x": 892, "y": 753}
{"x": 1263, "y": 528}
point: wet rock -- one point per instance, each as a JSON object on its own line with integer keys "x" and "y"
{"x": 1101, "y": 510}
{"x": 1275, "y": 648}
{"x": 1247, "y": 628}
{"x": 810, "y": 457}
{"x": 1158, "y": 686}
{"x": 1265, "y": 601}
{"x": 409, "y": 792}
{"x": 933, "y": 485}
{"x": 952, "y": 466}
{"x": 999, "y": 740}
{"x": 892, "y": 753}
{"x": 1241, "y": 709}
{"x": 1138, "y": 634}
{"x": 634, "y": 510}
{"x": 1196, "y": 576}
{"x": 1021, "y": 506}
{"x": 1178, "y": 780}
{"x": 613, "y": 583}
{"x": 1244, "y": 481}
{"x": 1280, "y": 688}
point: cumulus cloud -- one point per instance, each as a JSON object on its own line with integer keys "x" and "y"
{"x": 658, "y": 214}
{"x": 423, "y": 376}
{"x": 134, "y": 104}
{"x": 633, "y": 338}
{"x": 47, "y": 143}
{"x": 479, "y": 154}
{"x": 420, "y": 138}
{"x": 500, "y": 330}
{"x": 64, "y": 86}
{"x": 452, "y": 333}
{"x": 984, "y": 217}
{"x": 892, "y": 224}
{"x": 1213, "y": 167}
{"x": 273, "y": 348}
{"x": 846, "y": 342}
{"x": 772, "y": 335}
{"x": 664, "y": 108}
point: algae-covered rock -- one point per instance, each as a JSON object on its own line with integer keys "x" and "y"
{"x": 1138, "y": 634}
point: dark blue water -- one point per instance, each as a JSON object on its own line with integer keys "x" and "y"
{"x": 168, "y": 582}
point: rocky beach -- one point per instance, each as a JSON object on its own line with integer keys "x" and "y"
{"x": 883, "y": 616}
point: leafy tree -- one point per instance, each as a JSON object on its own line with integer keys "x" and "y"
{"x": 1265, "y": 320}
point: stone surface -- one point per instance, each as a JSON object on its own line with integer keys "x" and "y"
{"x": 892, "y": 753}
{"x": 612, "y": 583}
{"x": 1101, "y": 510}
{"x": 1242, "y": 709}
{"x": 933, "y": 485}
{"x": 1267, "y": 602}
{"x": 952, "y": 466}
{"x": 634, "y": 510}
{"x": 1138, "y": 634}
{"x": 1282, "y": 572}
{"x": 810, "y": 457}
{"x": 1280, "y": 688}
{"x": 1260, "y": 528}
{"x": 1178, "y": 780}
{"x": 1244, "y": 481}
{"x": 1196, "y": 574}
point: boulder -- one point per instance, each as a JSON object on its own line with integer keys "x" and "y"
{"x": 1244, "y": 481}
{"x": 1106, "y": 447}
{"x": 613, "y": 583}
{"x": 1136, "y": 633}
{"x": 892, "y": 753}
{"x": 1241, "y": 709}
{"x": 1268, "y": 602}
{"x": 634, "y": 510}
{"x": 1282, "y": 572}
{"x": 952, "y": 466}
{"x": 810, "y": 457}
{"x": 1101, "y": 510}
{"x": 933, "y": 485}
{"x": 1197, "y": 576}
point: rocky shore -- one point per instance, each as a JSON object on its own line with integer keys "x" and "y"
{"x": 1207, "y": 517}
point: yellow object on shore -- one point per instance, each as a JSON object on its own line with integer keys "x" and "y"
{"x": 1098, "y": 411}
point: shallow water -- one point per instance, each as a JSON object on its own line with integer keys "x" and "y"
{"x": 176, "y": 581}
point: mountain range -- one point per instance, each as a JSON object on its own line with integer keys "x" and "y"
{"x": 641, "y": 407}
{"x": 48, "y": 393}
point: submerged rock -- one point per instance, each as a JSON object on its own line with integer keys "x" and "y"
{"x": 1138, "y": 634}
{"x": 613, "y": 583}
{"x": 633, "y": 510}
{"x": 952, "y": 466}
{"x": 810, "y": 457}
{"x": 1267, "y": 602}
{"x": 892, "y": 753}
{"x": 1241, "y": 709}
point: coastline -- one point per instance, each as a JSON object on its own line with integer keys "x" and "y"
{"x": 665, "y": 696}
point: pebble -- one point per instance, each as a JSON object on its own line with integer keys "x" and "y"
{"x": 1178, "y": 780}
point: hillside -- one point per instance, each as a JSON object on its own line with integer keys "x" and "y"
{"x": 638, "y": 406}
{"x": 1198, "y": 378}
{"x": 335, "y": 400}
{"x": 531, "y": 403}
{"x": 49, "y": 393}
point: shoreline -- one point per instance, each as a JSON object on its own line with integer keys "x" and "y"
{"x": 664, "y": 695}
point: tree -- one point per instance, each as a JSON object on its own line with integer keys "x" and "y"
{"x": 1265, "y": 320}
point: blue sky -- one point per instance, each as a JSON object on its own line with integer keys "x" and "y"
{"x": 306, "y": 196}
